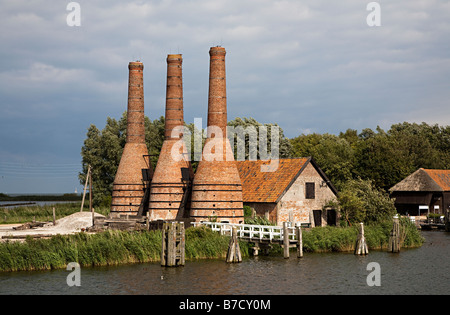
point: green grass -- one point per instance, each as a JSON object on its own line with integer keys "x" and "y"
{"x": 107, "y": 248}
{"x": 342, "y": 239}
{"x": 24, "y": 214}
{"x": 123, "y": 247}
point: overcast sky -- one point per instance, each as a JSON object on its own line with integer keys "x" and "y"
{"x": 310, "y": 66}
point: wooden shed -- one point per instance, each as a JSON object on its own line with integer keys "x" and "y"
{"x": 297, "y": 190}
{"x": 425, "y": 190}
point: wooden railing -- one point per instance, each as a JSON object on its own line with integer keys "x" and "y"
{"x": 253, "y": 232}
{"x": 287, "y": 236}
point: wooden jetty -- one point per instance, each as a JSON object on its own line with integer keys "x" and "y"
{"x": 288, "y": 236}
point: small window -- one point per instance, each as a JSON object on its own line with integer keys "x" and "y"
{"x": 310, "y": 192}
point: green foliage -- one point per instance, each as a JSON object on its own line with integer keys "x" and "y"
{"x": 107, "y": 248}
{"x": 247, "y": 211}
{"x": 257, "y": 220}
{"x": 361, "y": 201}
{"x": 333, "y": 154}
{"x": 24, "y": 214}
{"x": 339, "y": 239}
{"x": 385, "y": 157}
{"x": 324, "y": 239}
{"x": 285, "y": 147}
{"x": 103, "y": 150}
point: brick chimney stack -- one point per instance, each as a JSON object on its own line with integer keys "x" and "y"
{"x": 169, "y": 190}
{"x": 217, "y": 189}
{"x": 128, "y": 186}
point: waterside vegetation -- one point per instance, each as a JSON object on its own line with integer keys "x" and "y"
{"x": 123, "y": 247}
{"x": 22, "y": 214}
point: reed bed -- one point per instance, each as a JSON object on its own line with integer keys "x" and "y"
{"x": 107, "y": 248}
{"x": 343, "y": 239}
{"x": 123, "y": 247}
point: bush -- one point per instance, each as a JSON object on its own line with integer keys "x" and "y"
{"x": 361, "y": 201}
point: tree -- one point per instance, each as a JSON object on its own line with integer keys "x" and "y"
{"x": 333, "y": 154}
{"x": 361, "y": 201}
{"x": 252, "y": 131}
{"x": 103, "y": 151}
{"x": 381, "y": 158}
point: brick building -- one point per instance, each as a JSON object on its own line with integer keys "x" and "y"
{"x": 297, "y": 191}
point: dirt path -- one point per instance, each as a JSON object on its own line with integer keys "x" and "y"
{"x": 67, "y": 225}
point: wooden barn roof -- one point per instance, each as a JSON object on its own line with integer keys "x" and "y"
{"x": 260, "y": 186}
{"x": 426, "y": 180}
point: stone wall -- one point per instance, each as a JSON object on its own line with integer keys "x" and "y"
{"x": 294, "y": 204}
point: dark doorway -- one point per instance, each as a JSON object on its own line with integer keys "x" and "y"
{"x": 317, "y": 217}
{"x": 331, "y": 217}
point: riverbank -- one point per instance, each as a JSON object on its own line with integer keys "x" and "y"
{"x": 106, "y": 249}
{"x": 420, "y": 271}
{"x": 121, "y": 247}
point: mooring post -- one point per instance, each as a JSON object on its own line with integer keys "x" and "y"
{"x": 361, "y": 244}
{"x": 234, "y": 251}
{"x": 181, "y": 245}
{"x": 173, "y": 244}
{"x": 447, "y": 221}
{"x": 394, "y": 239}
{"x": 172, "y": 238}
{"x": 298, "y": 230}
{"x": 286, "y": 239}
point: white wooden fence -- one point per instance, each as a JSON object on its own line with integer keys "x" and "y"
{"x": 252, "y": 232}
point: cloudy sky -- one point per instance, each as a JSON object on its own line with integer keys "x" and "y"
{"x": 310, "y": 66}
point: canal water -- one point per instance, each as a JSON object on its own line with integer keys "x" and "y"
{"x": 421, "y": 271}
{"x": 14, "y": 204}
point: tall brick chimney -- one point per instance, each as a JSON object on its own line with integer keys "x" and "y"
{"x": 217, "y": 189}
{"x": 169, "y": 191}
{"x": 128, "y": 186}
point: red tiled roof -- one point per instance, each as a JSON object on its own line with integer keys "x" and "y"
{"x": 441, "y": 177}
{"x": 260, "y": 186}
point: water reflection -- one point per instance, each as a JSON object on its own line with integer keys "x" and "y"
{"x": 416, "y": 271}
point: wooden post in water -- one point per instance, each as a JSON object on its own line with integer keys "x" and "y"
{"x": 286, "y": 239}
{"x": 234, "y": 251}
{"x": 394, "y": 238}
{"x": 173, "y": 244}
{"x": 447, "y": 221}
{"x": 298, "y": 231}
{"x": 361, "y": 244}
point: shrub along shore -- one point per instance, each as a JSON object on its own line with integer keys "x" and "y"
{"x": 120, "y": 247}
